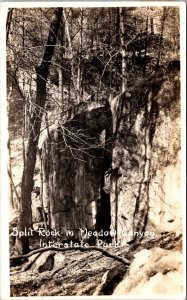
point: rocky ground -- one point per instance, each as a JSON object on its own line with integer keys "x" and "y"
{"x": 155, "y": 267}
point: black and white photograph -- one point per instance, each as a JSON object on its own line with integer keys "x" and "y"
{"x": 94, "y": 169}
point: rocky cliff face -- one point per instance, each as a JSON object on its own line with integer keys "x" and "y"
{"x": 119, "y": 171}
{"x": 145, "y": 190}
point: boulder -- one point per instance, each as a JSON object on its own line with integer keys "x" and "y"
{"x": 153, "y": 272}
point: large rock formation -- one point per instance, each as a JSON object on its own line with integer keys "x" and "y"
{"x": 118, "y": 171}
{"x": 72, "y": 157}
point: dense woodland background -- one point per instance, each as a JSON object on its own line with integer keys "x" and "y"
{"x": 94, "y": 142}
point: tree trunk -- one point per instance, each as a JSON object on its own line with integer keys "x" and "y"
{"x": 25, "y": 218}
{"x": 117, "y": 27}
{"x": 79, "y": 71}
{"x": 146, "y": 44}
{"x": 161, "y": 37}
{"x": 8, "y": 23}
{"x": 61, "y": 58}
{"x": 71, "y": 50}
{"x": 41, "y": 191}
{"x": 123, "y": 54}
{"x": 152, "y": 25}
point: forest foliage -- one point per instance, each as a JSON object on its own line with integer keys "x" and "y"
{"x": 88, "y": 54}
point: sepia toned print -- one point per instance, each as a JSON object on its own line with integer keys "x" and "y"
{"x": 94, "y": 120}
